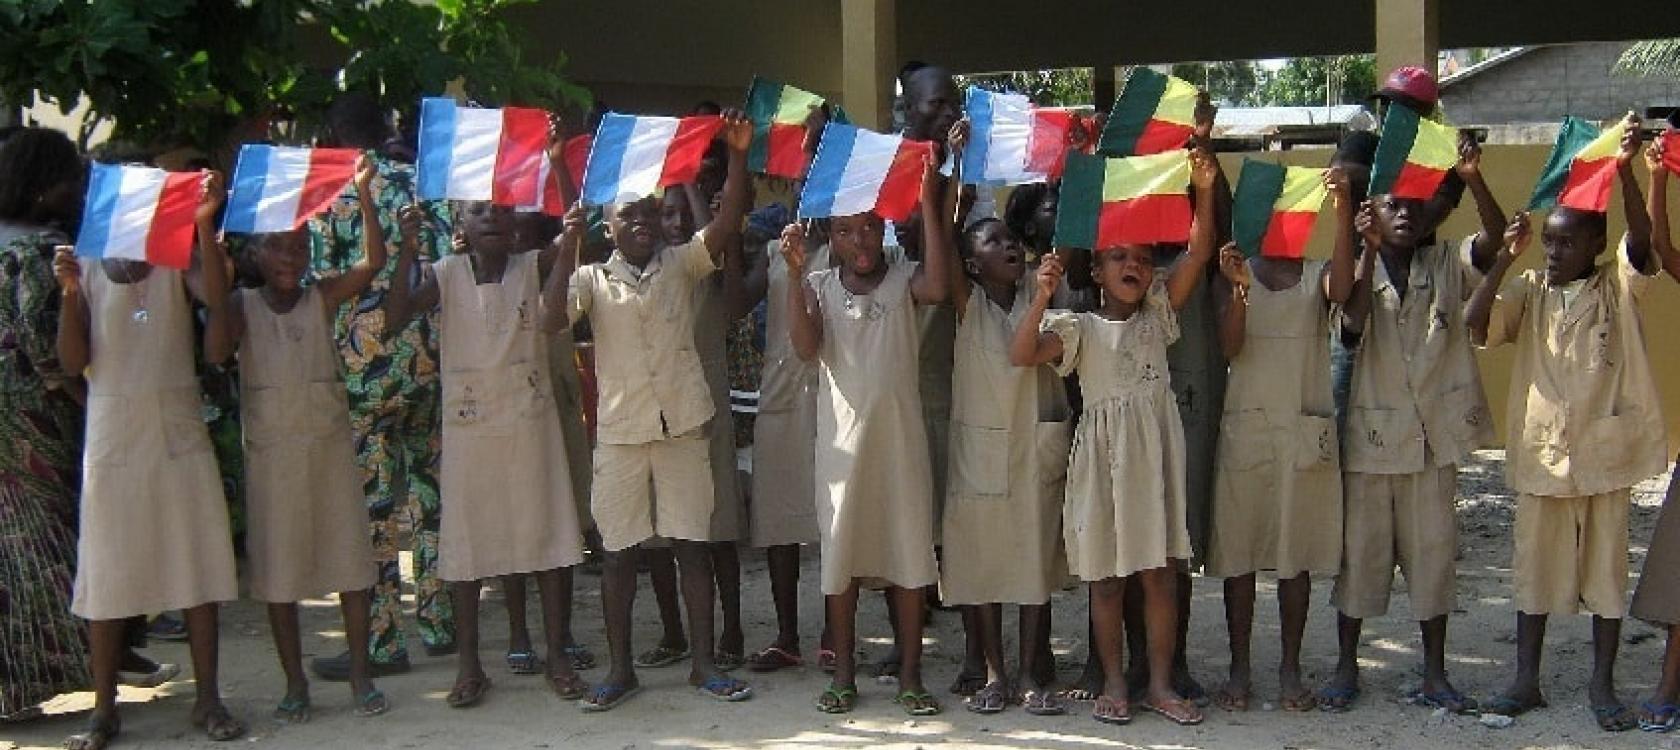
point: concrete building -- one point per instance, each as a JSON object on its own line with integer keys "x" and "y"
{"x": 1541, "y": 84}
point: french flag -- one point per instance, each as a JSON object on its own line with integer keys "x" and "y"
{"x": 859, "y": 170}
{"x": 1012, "y": 142}
{"x": 140, "y": 213}
{"x": 632, "y": 157}
{"x": 277, "y": 188}
{"x": 477, "y": 154}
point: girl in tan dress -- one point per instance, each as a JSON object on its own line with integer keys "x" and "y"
{"x": 307, "y": 534}
{"x": 1277, "y": 502}
{"x": 506, "y": 487}
{"x": 874, "y": 497}
{"x": 1008, "y": 462}
{"x": 1125, "y": 510}
{"x": 154, "y": 526}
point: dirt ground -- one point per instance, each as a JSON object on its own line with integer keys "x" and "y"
{"x": 521, "y": 712}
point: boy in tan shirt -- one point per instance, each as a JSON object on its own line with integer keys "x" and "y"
{"x": 1585, "y": 426}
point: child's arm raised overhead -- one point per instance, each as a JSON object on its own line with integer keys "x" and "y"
{"x": 212, "y": 192}
{"x": 406, "y": 298}
{"x": 939, "y": 206}
{"x": 1633, "y": 199}
{"x": 737, "y": 135}
{"x": 805, "y": 324}
{"x": 556, "y": 154}
{"x": 344, "y": 287}
{"x": 1031, "y": 347}
{"x": 223, "y": 323}
{"x": 1469, "y": 169}
{"x": 1202, "y": 139}
{"x": 1656, "y": 207}
{"x": 73, "y": 354}
{"x": 1358, "y": 304}
{"x": 931, "y": 284}
{"x": 1480, "y": 311}
{"x": 1233, "y": 312}
{"x": 1338, "y": 283}
{"x": 556, "y": 305}
{"x": 1187, "y": 272}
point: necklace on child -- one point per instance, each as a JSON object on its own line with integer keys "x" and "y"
{"x": 130, "y": 278}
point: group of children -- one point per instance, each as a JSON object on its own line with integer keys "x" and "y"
{"x": 1063, "y": 450}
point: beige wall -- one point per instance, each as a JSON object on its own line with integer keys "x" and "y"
{"x": 1511, "y": 172}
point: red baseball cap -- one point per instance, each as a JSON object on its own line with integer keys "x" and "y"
{"x": 1413, "y": 86}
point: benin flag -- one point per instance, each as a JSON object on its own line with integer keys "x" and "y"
{"x": 1155, "y": 113}
{"x": 1139, "y": 200}
{"x": 1275, "y": 207}
{"x": 778, "y": 115}
{"x": 1413, "y": 155}
{"x": 1581, "y": 169}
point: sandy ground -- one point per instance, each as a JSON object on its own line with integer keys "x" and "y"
{"x": 520, "y": 712}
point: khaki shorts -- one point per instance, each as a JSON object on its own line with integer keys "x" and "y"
{"x": 1404, "y": 520}
{"x": 663, "y": 488}
{"x": 1572, "y": 552}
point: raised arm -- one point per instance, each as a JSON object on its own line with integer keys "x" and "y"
{"x": 556, "y": 307}
{"x": 1358, "y": 304}
{"x": 939, "y": 207}
{"x": 1338, "y": 283}
{"x": 1031, "y": 347}
{"x": 339, "y": 289}
{"x": 73, "y": 344}
{"x": 931, "y": 283}
{"x": 737, "y": 135}
{"x": 1469, "y": 169}
{"x": 1516, "y": 238}
{"x": 805, "y": 324}
{"x": 1656, "y": 207}
{"x": 1186, "y": 274}
{"x": 1233, "y": 310}
{"x": 407, "y": 298}
{"x": 1633, "y": 200}
{"x": 221, "y": 330}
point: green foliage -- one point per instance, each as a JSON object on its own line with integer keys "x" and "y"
{"x": 1313, "y": 81}
{"x": 1063, "y": 87}
{"x": 1230, "y": 83}
{"x": 1656, "y": 57}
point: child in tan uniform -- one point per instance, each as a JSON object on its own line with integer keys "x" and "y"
{"x": 1585, "y": 426}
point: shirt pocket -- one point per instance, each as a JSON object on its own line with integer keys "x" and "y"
{"x": 1245, "y": 440}
{"x": 476, "y": 402}
{"x": 182, "y": 413}
{"x": 266, "y": 417}
{"x": 109, "y": 429}
{"x": 1315, "y": 446}
{"x": 979, "y": 461}
{"x": 1384, "y": 432}
{"x": 1606, "y": 445}
{"x": 1467, "y": 417}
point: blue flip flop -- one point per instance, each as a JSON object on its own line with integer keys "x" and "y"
{"x": 1337, "y": 700}
{"x": 606, "y": 697}
{"x": 1664, "y": 717}
{"x": 726, "y": 689}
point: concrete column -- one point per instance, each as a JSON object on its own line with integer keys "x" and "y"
{"x": 869, "y": 58}
{"x": 1408, "y": 33}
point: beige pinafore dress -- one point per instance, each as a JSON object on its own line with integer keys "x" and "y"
{"x": 1277, "y": 502}
{"x": 506, "y": 487}
{"x": 711, "y": 342}
{"x": 1010, "y": 431}
{"x": 303, "y": 494}
{"x": 1125, "y": 509}
{"x": 874, "y": 486}
{"x": 154, "y": 523}
{"x": 784, "y": 501}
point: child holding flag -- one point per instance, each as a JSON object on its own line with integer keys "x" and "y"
{"x": 506, "y": 487}
{"x": 308, "y": 540}
{"x": 1584, "y": 415}
{"x": 1124, "y": 519}
{"x": 1415, "y": 407}
{"x": 1278, "y": 492}
{"x": 154, "y": 523}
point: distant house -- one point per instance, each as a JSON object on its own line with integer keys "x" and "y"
{"x": 1527, "y": 86}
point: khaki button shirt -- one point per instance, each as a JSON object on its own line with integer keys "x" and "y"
{"x": 1583, "y": 410}
{"x": 1417, "y": 398}
{"x": 648, "y": 371}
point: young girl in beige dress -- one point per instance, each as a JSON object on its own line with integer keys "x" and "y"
{"x": 307, "y": 534}
{"x": 1008, "y": 464}
{"x": 1277, "y": 502}
{"x": 506, "y": 486}
{"x": 154, "y": 525}
{"x": 874, "y": 497}
{"x": 1125, "y": 510}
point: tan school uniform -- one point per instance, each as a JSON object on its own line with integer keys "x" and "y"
{"x": 784, "y": 494}
{"x": 1415, "y": 409}
{"x": 303, "y": 494}
{"x": 874, "y": 486}
{"x": 654, "y": 404}
{"x": 505, "y": 487}
{"x": 1277, "y": 501}
{"x": 154, "y": 524}
{"x": 1586, "y": 426}
{"x": 1125, "y": 509}
{"x": 1010, "y": 433}
{"x": 938, "y": 336}
{"x": 711, "y": 339}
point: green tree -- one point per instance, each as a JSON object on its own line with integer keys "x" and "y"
{"x": 1316, "y": 81}
{"x": 1230, "y": 83}
{"x": 1061, "y": 87}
